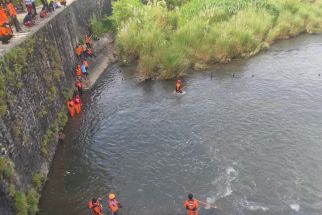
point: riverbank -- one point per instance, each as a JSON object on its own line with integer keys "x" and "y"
{"x": 165, "y": 40}
{"x": 106, "y": 55}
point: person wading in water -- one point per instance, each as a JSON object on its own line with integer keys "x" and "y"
{"x": 191, "y": 205}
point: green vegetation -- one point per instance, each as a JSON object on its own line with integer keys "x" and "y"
{"x": 166, "y": 38}
{"x": 11, "y": 66}
{"x": 21, "y": 204}
{"x": 6, "y": 169}
{"x": 26, "y": 204}
{"x": 38, "y": 180}
{"x": 32, "y": 201}
{"x": 55, "y": 129}
{"x": 102, "y": 26}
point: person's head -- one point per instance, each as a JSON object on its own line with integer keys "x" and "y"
{"x": 111, "y": 196}
{"x": 179, "y": 81}
{"x": 94, "y": 200}
{"x": 8, "y": 1}
{"x": 190, "y": 196}
{"x": 43, "y": 9}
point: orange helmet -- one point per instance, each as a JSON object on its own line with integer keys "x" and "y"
{"x": 111, "y": 196}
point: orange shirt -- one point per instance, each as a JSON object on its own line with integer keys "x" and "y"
{"x": 3, "y": 16}
{"x": 79, "y": 50}
{"x": 78, "y": 71}
{"x": 191, "y": 206}
{"x": 11, "y": 9}
{"x": 113, "y": 205}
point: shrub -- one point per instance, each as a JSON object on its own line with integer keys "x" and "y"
{"x": 21, "y": 204}
{"x": 38, "y": 179}
{"x": 165, "y": 39}
{"x": 6, "y": 168}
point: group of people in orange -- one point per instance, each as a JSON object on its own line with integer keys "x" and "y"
{"x": 81, "y": 73}
{"x": 7, "y": 10}
{"x": 84, "y": 50}
{"x": 8, "y": 16}
{"x": 96, "y": 208}
{"x": 191, "y": 205}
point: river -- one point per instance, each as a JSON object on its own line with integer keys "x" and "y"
{"x": 248, "y": 137}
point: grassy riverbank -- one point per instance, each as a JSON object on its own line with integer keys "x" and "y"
{"x": 166, "y": 39}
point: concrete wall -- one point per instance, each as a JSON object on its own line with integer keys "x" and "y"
{"x": 35, "y": 76}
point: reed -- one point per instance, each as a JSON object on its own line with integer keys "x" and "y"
{"x": 165, "y": 39}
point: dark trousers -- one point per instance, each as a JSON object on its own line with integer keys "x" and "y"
{"x": 16, "y": 23}
{"x": 45, "y": 4}
{"x": 34, "y": 8}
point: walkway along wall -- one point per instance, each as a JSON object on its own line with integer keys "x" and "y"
{"x": 35, "y": 79}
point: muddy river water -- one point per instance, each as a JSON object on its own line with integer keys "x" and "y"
{"x": 248, "y": 137}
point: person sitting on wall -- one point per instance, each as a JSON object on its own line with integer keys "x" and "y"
{"x": 5, "y": 29}
{"x": 43, "y": 13}
{"x": 54, "y": 5}
{"x": 28, "y": 20}
{"x": 63, "y": 2}
{"x": 29, "y": 6}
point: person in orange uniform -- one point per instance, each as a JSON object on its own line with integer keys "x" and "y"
{"x": 179, "y": 87}
{"x": 78, "y": 70}
{"x": 80, "y": 86}
{"x": 87, "y": 40}
{"x": 95, "y": 207}
{"x": 113, "y": 204}
{"x": 79, "y": 50}
{"x": 77, "y": 103}
{"x": 71, "y": 107}
{"x": 13, "y": 14}
{"x": 5, "y": 30}
{"x": 191, "y": 205}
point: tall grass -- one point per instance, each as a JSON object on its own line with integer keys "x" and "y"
{"x": 165, "y": 39}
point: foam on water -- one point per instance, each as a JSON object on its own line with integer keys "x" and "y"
{"x": 295, "y": 207}
{"x": 253, "y": 206}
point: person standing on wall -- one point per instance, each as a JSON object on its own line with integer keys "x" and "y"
{"x": 34, "y": 8}
{"x": 29, "y": 6}
{"x": 45, "y": 4}
{"x": 13, "y": 14}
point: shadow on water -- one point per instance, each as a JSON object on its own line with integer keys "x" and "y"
{"x": 249, "y": 142}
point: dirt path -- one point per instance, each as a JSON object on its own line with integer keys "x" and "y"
{"x": 105, "y": 52}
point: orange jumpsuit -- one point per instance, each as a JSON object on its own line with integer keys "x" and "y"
{"x": 192, "y": 206}
{"x": 79, "y": 50}
{"x": 113, "y": 206}
{"x": 95, "y": 207}
{"x": 71, "y": 108}
{"x": 11, "y": 9}
{"x": 5, "y": 30}
{"x": 78, "y": 70}
{"x": 178, "y": 88}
